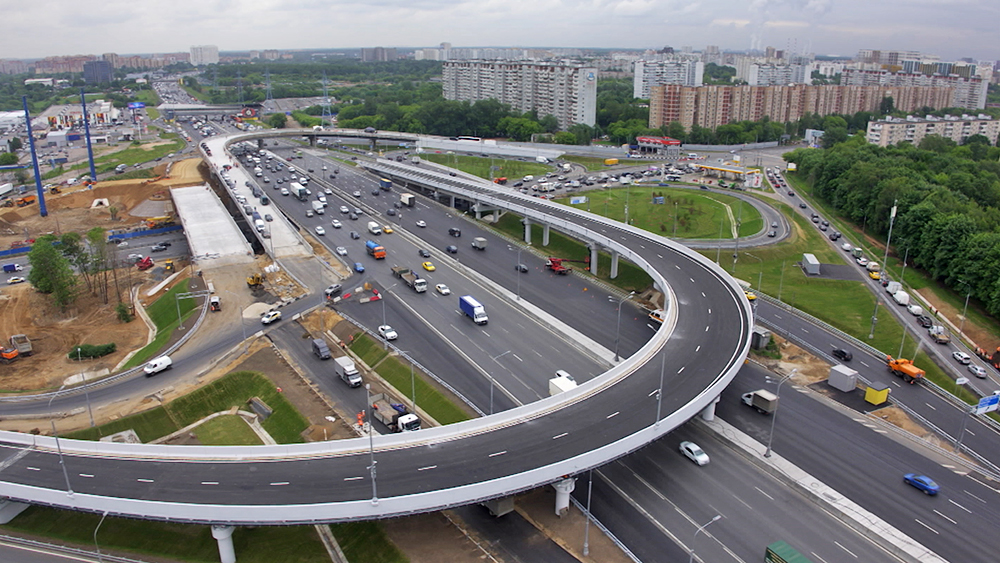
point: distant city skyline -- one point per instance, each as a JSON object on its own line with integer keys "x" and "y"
{"x": 950, "y": 30}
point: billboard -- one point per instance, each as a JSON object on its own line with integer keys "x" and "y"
{"x": 578, "y": 200}
{"x": 136, "y": 105}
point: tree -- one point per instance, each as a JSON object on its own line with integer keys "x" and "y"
{"x": 7, "y": 159}
{"x": 277, "y": 120}
{"x": 14, "y": 144}
{"x": 886, "y": 106}
{"x": 832, "y": 136}
{"x": 564, "y": 138}
{"x": 51, "y": 272}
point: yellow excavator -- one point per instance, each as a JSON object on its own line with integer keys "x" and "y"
{"x": 255, "y": 281}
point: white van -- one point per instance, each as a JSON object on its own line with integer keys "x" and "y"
{"x": 157, "y": 365}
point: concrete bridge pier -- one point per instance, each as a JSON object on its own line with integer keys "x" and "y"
{"x": 708, "y": 413}
{"x": 260, "y": 143}
{"x": 614, "y": 264}
{"x": 9, "y": 509}
{"x": 593, "y": 259}
{"x": 527, "y": 230}
{"x": 545, "y": 235}
{"x": 563, "y": 489}
{"x": 224, "y": 536}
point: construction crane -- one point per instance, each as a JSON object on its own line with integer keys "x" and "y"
{"x": 556, "y": 264}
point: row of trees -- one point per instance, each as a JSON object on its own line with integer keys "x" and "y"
{"x": 948, "y": 197}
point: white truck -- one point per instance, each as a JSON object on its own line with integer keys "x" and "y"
{"x": 893, "y": 287}
{"x": 479, "y": 243}
{"x": 764, "y": 401}
{"x": 407, "y": 199}
{"x": 561, "y": 383}
{"x": 318, "y": 207}
{"x": 394, "y": 415}
{"x": 259, "y": 225}
{"x": 901, "y": 298}
{"x": 344, "y": 368}
{"x": 374, "y": 228}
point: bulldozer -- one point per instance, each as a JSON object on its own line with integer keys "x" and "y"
{"x": 8, "y": 355}
{"x": 255, "y": 281}
{"x": 168, "y": 265}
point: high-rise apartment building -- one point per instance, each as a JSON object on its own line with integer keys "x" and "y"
{"x": 647, "y": 74}
{"x": 378, "y": 54}
{"x": 567, "y": 91}
{"x": 892, "y": 130}
{"x": 97, "y": 72}
{"x": 204, "y": 55}
{"x": 967, "y": 92}
{"x": 711, "y": 106}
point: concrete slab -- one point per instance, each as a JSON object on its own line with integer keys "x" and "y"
{"x": 212, "y": 233}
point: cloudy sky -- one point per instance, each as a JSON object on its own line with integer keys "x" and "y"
{"x": 948, "y": 28}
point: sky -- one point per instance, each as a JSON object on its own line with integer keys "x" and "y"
{"x": 950, "y": 29}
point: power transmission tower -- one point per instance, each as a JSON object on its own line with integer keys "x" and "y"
{"x": 327, "y": 116}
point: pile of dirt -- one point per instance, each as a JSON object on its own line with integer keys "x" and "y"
{"x": 53, "y": 334}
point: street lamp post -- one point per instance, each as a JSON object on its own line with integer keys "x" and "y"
{"x": 619, "y": 328}
{"x": 892, "y": 220}
{"x": 371, "y": 444}
{"x": 965, "y": 309}
{"x": 382, "y": 298}
{"x": 659, "y": 391}
{"x": 774, "y": 415}
{"x": 675, "y": 219}
{"x": 586, "y": 527}
{"x": 519, "y": 249}
{"x": 696, "y": 532}
{"x": 62, "y": 463}
{"x": 86, "y": 393}
{"x": 492, "y": 380}
{"x": 97, "y": 547}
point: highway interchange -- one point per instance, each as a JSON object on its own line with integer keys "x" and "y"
{"x": 513, "y": 378}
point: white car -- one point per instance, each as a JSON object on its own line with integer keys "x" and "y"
{"x": 442, "y": 289}
{"x": 123, "y": 244}
{"x": 320, "y": 230}
{"x": 387, "y": 332}
{"x": 977, "y": 371}
{"x": 421, "y": 224}
{"x": 862, "y": 261}
{"x": 284, "y": 191}
{"x": 336, "y": 223}
{"x": 694, "y": 453}
{"x": 341, "y": 251}
{"x": 962, "y": 357}
{"x": 270, "y": 316}
{"x": 344, "y": 209}
{"x": 15, "y": 279}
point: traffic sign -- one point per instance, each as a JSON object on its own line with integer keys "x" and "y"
{"x": 988, "y": 404}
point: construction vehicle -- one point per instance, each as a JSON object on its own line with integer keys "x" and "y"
{"x": 939, "y": 334}
{"x": 157, "y": 222}
{"x": 394, "y": 415}
{"x": 501, "y": 180}
{"x": 168, "y": 265}
{"x": 144, "y": 264}
{"x": 22, "y": 343}
{"x": 764, "y": 401}
{"x": 255, "y": 281}
{"x": 904, "y": 368}
{"x": 8, "y": 355}
{"x": 375, "y": 249}
{"x": 214, "y": 303}
{"x": 410, "y": 278}
{"x": 25, "y": 201}
{"x": 556, "y": 264}
{"x": 993, "y": 360}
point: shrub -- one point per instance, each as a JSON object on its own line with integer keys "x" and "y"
{"x": 91, "y": 350}
{"x": 124, "y": 315}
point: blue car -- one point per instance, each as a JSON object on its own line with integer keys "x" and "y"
{"x": 359, "y": 267}
{"x": 922, "y": 482}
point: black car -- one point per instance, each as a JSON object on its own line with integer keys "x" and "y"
{"x": 390, "y": 212}
{"x": 424, "y": 253}
{"x": 772, "y": 234}
{"x": 375, "y": 192}
{"x": 802, "y": 206}
{"x": 521, "y": 268}
{"x": 164, "y": 243}
{"x": 355, "y": 235}
{"x": 452, "y": 249}
{"x": 843, "y": 355}
{"x": 925, "y": 321}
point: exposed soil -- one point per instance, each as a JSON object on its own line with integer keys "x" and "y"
{"x": 981, "y": 336}
{"x": 810, "y": 368}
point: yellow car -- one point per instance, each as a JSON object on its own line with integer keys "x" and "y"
{"x": 429, "y": 266}
{"x": 750, "y": 296}
{"x": 387, "y": 230}
{"x": 875, "y": 275}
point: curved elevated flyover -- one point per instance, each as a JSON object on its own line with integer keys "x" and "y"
{"x": 701, "y": 348}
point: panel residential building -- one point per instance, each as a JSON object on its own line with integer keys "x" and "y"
{"x": 567, "y": 91}
{"x": 204, "y": 55}
{"x": 966, "y": 92}
{"x": 647, "y": 74}
{"x": 890, "y": 131}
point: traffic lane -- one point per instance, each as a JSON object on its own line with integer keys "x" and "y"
{"x": 755, "y": 506}
{"x": 984, "y": 440}
{"x": 513, "y": 536}
{"x": 867, "y": 467}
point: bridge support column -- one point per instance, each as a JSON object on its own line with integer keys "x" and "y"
{"x": 563, "y": 489}
{"x": 708, "y": 413}
{"x": 614, "y": 264}
{"x": 479, "y": 214}
{"x": 593, "y": 259}
{"x": 527, "y": 230}
{"x": 545, "y": 235}
{"x": 9, "y": 509}
{"x": 260, "y": 143}
{"x": 451, "y": 201}
{"x": 312, "y": 140}
{"x": 224, "y": 536}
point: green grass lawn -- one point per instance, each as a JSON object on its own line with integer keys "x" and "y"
{"x": 590, "y": 163}
{"x": 134, "y": 154}
{"x": 368, "y": 349}
{"x": 698, "y": 214}
{"x": 226, "y": 430}
{"x": 163, "y": 313}
{"x": 397, "y": 373}
{"x": 478, "y": 166}
{"x": 366, "y": 542}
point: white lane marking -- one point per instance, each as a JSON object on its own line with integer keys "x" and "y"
{"x": 969, "y": 432}
{"x": 939, "y": 513}
{"x": 698, "y": 349}
{"x": 763, "y": 493}
{"x": 497, "y": 453}
{"x": 835, "y": 542}
{"x": 692, "y": 280}
{"x": 33, "y": 469}
{"x": 709, "y": 310}
{"x": 960, "y": 506}
{"x": 653, "y": 392}
{"x": 804, "y": 330}
{"x": 776, "y": 316}
{"x": 926, "y": 526}
{"x": 680, "y": 370}
{"x": 895, "y": 383}
{"x": 864, "y": 364}
{"x": 659, "y": 255}
{"x": 279, "y": 483}
{"x": 518, "y": 357}
{"x": 428, "y": 467}
{"x": 743, "y": 503}
{"x": 879, "y": 430}
{"x": 209, "y": 482}
{"x": 145, "y": 480}
{"x": 353, "y": 478}
{"x": 557, "y": 436}
{"x": 86, "y": 475}
{"x": 930, "y": 405}
{"x": 703, "y": 294}
{"x": 707, "y": 327}
{"x": 614, "y": 414}
{"x": 486, "y": 333}
{"x": 813, "y": 553}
